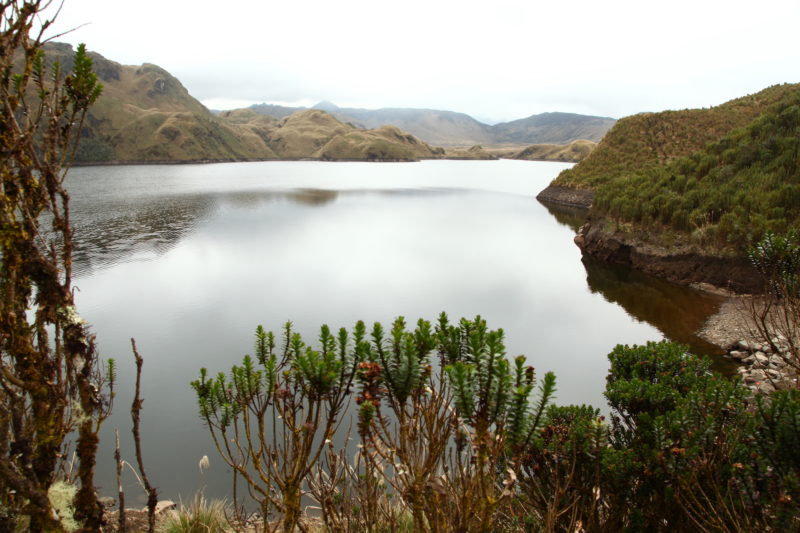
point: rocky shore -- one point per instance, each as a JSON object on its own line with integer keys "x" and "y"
{"x": 761, "y": 368}
{"x": 566, "y": 196}
{"x": 764, "y": 365}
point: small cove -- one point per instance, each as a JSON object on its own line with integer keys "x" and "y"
{"x": 189, "y": 259}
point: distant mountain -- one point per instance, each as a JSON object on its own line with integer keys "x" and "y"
{"x": 277, "y": 111}
{"x": 146, "y": 115}
{"x": 448, "y": 128}
{"x": 552, "y": 128}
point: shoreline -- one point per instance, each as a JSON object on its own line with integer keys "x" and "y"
{"x": 142, "y": 162}
{"x": 566, "y": 196}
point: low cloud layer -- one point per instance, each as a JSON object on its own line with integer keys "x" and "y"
{"x": 498, "y": 61}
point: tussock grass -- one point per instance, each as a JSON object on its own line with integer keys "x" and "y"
{"x": 201, "y": 516}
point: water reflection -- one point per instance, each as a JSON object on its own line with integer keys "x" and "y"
{"x": 572, "y": 217}
{"x": 677, "y": 311}
{"x": 144, "y": 228}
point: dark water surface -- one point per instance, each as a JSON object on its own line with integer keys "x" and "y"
{"x": 190, "y": 259}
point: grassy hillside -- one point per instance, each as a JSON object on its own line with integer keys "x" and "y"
{"x": 146, "y": 114}
{"x": 315, "y": 134}
{"x": 572, "y": 152}
{"x": 474, "y": 153}
{"x": 724, "y": 196}
{"x": 650, "y": 139}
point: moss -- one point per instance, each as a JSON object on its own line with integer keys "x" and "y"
{"x": 61, "y": 495}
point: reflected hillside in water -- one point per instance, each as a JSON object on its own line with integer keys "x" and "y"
{"x": 146, "y": 227}
{"x": 571, "y": 217}
{"x": 677, "y": 311}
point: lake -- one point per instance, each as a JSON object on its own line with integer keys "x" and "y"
{"x": 189, "y": 259}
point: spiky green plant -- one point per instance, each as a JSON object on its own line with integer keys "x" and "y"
{"x": 271, "y": 422}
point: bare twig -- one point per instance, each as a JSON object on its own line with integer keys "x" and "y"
{"x": 136, "y": 407}
{"x": 122, "y": 528}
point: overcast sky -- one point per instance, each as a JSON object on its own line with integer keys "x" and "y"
{"x": 495, "y": 60}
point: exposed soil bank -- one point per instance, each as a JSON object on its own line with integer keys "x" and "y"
{"x": 734, "y": 274}
{"x": 566, "y": 196}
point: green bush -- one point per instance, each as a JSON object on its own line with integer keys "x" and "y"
{"x": 733, "y": 190}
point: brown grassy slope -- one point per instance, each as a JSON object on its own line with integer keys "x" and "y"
{"x": 146, "y": 114}
{"x": 315, "y": 134}
{"x": 302, "y": 134}
{"x": 475, "y": 152}
{"x": 648, "y": 139}
{"x": 176, "y": 136}
{"x": 384, "y": 144}
{"x": 572, "y": 152}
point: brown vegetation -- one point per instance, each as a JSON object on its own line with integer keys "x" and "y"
{"x": 573, "y": 152}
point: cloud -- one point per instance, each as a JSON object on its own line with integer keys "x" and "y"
{"x": 505, "y": 60}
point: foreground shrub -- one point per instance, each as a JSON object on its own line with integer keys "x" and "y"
{"x": 51, "y": 388}
{"x": 453, "y": 438}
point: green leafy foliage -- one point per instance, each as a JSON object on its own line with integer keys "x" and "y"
{"x": 486, "y": 391}
{"x": 683, "y": 451}
{"x": 777, "y": 258}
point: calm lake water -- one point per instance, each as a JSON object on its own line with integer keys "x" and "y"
{"x": 189, "y": 259}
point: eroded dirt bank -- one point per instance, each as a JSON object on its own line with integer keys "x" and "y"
{"x": 732, "y": 274}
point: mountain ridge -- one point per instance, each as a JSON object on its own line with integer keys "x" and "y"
{"x": 145, "y": 114}
{"x": 456, "y": 129}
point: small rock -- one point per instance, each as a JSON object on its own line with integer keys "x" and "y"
{"x": 107, "y": 502}
{"x": 746, "y": 346}
{"x": 754, "y": 376}
{"x": 776, "y": 362}
{"x": 163, "y": 506}
{"x": 774, "y": 374}
{"x": 736, "y": 354}
{"x": 761, "y": 357}
{"x": 750, "y": 359}
{"x": 766, "y": 387}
